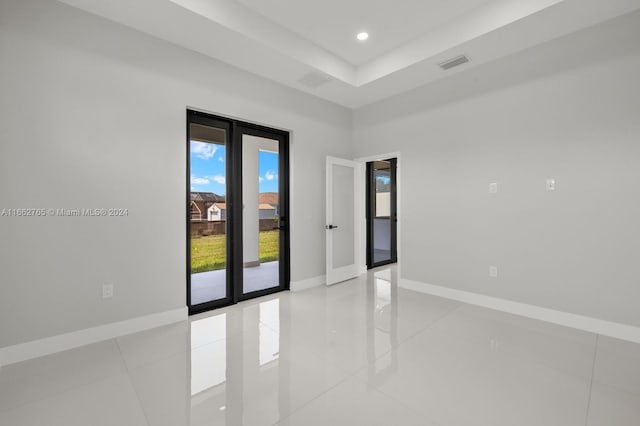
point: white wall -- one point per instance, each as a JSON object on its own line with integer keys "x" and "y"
{"x": 93, "y": 115}
{"x": 569, "y": 110}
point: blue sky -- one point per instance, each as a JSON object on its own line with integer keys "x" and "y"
{"x": 208, "y": 169}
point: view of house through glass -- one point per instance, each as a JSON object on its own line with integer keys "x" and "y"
{"x": 208, "y": 174}
{"x": 261, "y": 236}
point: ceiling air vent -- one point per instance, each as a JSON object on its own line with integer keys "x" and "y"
{"x": 314, "y": 80}
{"x": 454, "y": 62}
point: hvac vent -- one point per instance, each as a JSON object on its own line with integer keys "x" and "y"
{"x": 314, "y": 80}
{"x": 459, "y": 60}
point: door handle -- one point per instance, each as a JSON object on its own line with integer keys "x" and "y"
{"x": 331, "y": 226}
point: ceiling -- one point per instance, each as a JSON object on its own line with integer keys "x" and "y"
{"x": 311, "y": 45}
{"x": 333, "y": 24}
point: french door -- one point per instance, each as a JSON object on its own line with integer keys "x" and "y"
{"x": 237, "y": 211}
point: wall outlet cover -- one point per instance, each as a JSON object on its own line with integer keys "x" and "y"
{"x": 107, "y": 291}
{"x": 493, "y": 271}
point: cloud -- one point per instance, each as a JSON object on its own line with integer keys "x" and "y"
{"x": 203, "y": 150}
{"x": 221, "y": 159}
{"x": 260, "y": 178}
{"x": 199, "y": 181}
{"x": 270, "y": 175}
{"x": 219, "y": 179}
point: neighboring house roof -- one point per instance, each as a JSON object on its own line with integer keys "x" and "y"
{"x": 223, "y": 206}
{"x": 207, "y": 197}
{"x": 268, "y": 198}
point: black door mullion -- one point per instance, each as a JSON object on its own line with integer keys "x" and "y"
{"x": 394, "y": 210}
{"x": 235, "y": 191}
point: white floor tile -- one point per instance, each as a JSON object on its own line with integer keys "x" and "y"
{"x": 108, "y": 402}
{"x": 615, "y": 396}
{"x": 153, "y": 345}
{"x": 479, "y": 374}
{"x": 611, "y": 406}
{"x": 39, "y": 378}
{"x": 618, "y": 364}
{"x": 564, "y": 349}
{"x": 163, "y": 390}
{"x": 353, "y": 403}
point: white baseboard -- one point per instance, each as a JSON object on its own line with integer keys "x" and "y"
{"x": 580, "y": 322}
{"x": 308, "y": 283}
{"x": 74, "y": 339}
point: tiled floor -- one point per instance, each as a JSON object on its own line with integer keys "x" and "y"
{"x": 364, "y": 352}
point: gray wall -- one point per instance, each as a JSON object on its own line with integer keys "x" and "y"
{"x": 569, "y": 110}
{"x": 93, "y": 115}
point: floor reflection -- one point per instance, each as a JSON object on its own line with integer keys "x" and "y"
{"x": 241, "y": 358}
{"x": 234, "y": 364}
{"x": 269, "y": 339}
{"x": 382, "y": 324}
{"x": 208, "y": 361}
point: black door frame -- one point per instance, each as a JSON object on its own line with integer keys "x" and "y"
{"x": 234, "y": 130}
{"x": 370, "y": 213}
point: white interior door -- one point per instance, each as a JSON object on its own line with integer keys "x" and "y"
{"x": 342, "y": 227}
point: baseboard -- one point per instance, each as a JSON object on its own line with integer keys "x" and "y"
{"x": 74, "y": 339}
{"x": 580, "y": 322}
{"x": 308, "y": 283}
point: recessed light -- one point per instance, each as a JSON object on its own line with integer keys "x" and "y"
{"x": 362, "y": 36}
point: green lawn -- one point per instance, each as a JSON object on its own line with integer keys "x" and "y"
{"x": 208, "y": 253}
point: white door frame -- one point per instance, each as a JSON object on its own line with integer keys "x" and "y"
{"x": 363, "y": 213}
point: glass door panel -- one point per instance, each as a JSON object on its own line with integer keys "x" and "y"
{"x": 208, "y": 213}
{"x": 261, "y": 216}
{"x": 381, "y": 212}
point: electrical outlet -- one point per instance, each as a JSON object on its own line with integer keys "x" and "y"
{"x": 493, "y": 271}
{"x": 107, "y": 291}
{"x": 551, "y": 184}
{"x": 493, "y": 188}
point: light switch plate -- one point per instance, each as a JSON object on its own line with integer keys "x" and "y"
{"x": 493, "y": 188}
{"x": 551, "y": 184}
